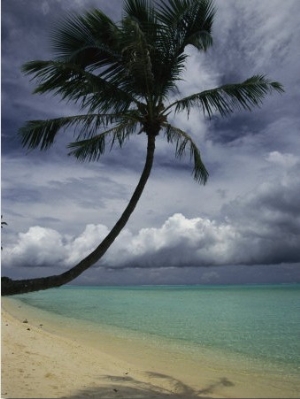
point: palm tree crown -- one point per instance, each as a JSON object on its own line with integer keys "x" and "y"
{"x": 122, "y": 75}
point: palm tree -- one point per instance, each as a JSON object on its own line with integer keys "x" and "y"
{"x": 2, "y": 224}
{"x": 123, "y": 76}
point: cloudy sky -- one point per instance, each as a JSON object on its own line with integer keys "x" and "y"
{"x": 243, "y": 226}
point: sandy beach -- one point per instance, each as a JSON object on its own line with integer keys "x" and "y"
{"x": 39, "y": 364}
{"x": 43, "y": 360}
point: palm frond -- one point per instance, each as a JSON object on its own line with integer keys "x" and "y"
{"x": 42, "y": 133}
{"x": 88, "y": 41}
{"x": 181, "y": 23}
{"x": 120, "y": 54}
{"x": 91, "y": 149}
{"x": 95, "y": 44}
{"x": 190, "y": 22}
{"x": 137, "y": 56}
{"x": 141, "y": 11}
{"x": 183, "y": 142}
{"x": 73, "y": 83}
{"x": 145, "y": 46}
{"x": 227, "y": 98}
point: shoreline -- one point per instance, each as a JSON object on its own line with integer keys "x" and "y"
{"x": 44, "y": 358}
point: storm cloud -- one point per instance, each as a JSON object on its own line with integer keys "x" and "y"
{"x": 262, "y": 227}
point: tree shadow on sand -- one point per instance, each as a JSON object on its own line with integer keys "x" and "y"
{"x": 126, "y": 387}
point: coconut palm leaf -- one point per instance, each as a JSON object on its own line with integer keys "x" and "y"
{"x": 143, "y": 12}
{"x": 91, "y": 149}
{"x": 190, "y": 21}
{"x": 137, "y": 57}
{"x": 185, "y": 142}
{"x": 75, "y": 84}
{"x": 41, "y": 133}
{"x": 89, "y": 42}
{"x": 227, "y": 98}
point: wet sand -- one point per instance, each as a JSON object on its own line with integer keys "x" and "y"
{"x": 44, "y": 359}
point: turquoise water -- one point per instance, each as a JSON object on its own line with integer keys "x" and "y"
{"x": 257, "y": 322}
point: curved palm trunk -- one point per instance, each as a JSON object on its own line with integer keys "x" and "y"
{"x": 12, "y": 287}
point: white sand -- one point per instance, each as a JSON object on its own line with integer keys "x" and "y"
{"x": 45, "y": 361}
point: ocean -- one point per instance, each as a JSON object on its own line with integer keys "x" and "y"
{"x": 254, "y": 326}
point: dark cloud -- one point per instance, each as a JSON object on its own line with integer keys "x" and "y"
{"x": 261, "y": 228}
